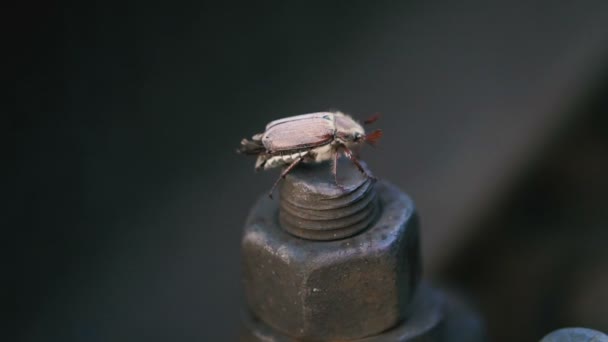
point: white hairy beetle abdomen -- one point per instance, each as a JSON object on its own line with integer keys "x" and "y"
{"x": 316, "y": 155}
{"x": 323, "y": 153}
{"x": 284, "y": 159}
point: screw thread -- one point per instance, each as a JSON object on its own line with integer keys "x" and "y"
{"x": 312, "y": 206}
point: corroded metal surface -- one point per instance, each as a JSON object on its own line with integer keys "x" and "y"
{"x": 433, "y": 317}
{"x": 425, "y": 323}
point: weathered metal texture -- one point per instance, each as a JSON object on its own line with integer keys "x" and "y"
{"x": 343, "y": 289}
{"x": 575, "y": 335}
{"x": 313, "y": 207}
{"x": 432, "y": 317}
{"x": 425, "y": 323}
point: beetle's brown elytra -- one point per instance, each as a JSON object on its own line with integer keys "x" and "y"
{"x": 308, "y": 138}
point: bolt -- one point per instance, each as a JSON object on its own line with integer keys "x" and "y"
{"x": 363, "y": 259}
{"x": 312, "y": 206}
{"x": 342, "y": 262}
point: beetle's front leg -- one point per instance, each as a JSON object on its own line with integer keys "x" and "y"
{"x": 355, "y": 161}
{"x": 334, "y": 168}
{"x": 284, "y": 173}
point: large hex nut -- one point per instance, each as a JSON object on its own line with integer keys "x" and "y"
{"x": 342, "y": 289}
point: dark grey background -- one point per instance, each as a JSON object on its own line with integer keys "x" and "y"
{"x": 128, "y": 199}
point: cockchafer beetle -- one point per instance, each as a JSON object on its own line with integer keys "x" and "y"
{"x": 309, "y": 138}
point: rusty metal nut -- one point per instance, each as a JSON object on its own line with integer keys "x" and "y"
{"x": 343, "y": 289}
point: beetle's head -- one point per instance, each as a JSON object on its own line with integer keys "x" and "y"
{"x": 350, "y": 132}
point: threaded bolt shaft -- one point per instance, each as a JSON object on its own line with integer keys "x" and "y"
{"x": 323, "y": 210}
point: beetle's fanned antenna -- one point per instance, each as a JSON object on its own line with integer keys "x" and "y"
{"x": 372, "y": 119}
{"x": 373, "y": 137}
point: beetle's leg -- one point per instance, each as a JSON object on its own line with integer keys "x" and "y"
{"x": 355, "y": 161}
{"x": 260, "y": 162}
{"x": 284, "y": 173}
{"x": 334, "y": 168}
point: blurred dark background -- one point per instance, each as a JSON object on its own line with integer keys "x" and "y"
{"x": 126, "y": 202}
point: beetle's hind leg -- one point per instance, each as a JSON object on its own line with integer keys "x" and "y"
{"x": 284, "y": 173}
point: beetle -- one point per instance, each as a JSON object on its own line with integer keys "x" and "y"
{"x": 309, "y": 138}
